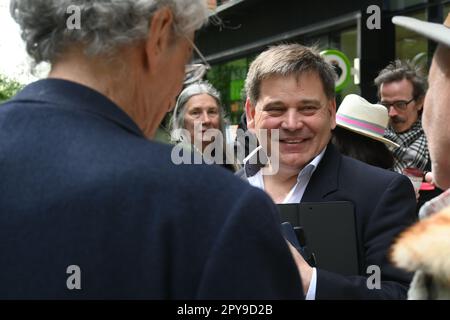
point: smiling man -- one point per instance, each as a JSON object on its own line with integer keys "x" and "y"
{"x": 290, "y": 88}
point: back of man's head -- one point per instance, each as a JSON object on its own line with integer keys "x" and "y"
{"x": 50, "y": 27}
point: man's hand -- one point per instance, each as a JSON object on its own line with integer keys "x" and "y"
{"x": 304, "y": 268}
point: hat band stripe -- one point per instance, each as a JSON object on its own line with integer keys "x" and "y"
{"x": 361, "y": 124}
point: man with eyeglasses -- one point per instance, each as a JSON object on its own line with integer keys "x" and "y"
{"x": 401, "y": 89}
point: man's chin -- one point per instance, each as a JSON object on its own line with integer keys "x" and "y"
{"x": 292, "y": 162}
{"x": 397, "y": 124}
{"x": 399, "y": 128}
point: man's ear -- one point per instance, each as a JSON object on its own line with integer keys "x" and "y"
{"x": 250, "y": 114}
{"x": 332, "y": 110}
{"x": 420, "y": 102}
{"x": 159, "y": 38}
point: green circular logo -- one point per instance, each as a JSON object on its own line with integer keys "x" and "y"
{"x": 341, "y": 65}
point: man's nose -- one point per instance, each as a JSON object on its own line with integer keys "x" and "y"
{"x": 292, "y": 121}
{"x": 392, "y": 111}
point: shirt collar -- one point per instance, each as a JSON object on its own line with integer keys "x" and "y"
{"x": 255, "y": 161}
{"x": 260, "y": 159}
{"x": 312, "y": 166}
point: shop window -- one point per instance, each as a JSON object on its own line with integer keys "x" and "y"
{"x": 229, "y": 79}
{"x": 395, "y": 5}
{"x": 446, "y": 11}
{"x": 345, "y": 41}
{"x": 348, "y": 44}
{"x": 411, "y": 46}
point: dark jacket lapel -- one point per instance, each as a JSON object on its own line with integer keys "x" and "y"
{"x": 325, "y": 179}
{"x": 241, "y": 174}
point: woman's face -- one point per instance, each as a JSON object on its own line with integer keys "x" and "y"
{"x": 202, "y": 113}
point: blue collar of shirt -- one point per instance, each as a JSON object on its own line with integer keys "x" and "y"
{"x": 312, "y": 166}
{"x": 71, "y": 95}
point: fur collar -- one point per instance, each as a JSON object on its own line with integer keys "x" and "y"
{"x": 426, "y": 246}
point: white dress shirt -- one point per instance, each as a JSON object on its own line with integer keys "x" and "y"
{"x": 294, "y": 196}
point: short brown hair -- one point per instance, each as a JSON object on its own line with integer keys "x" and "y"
{"x": 399, "y": 70}
{"x": 285, "y": 60}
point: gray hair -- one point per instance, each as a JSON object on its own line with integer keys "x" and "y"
{"x": 286, "y": 60}
{"x": 105, "y": 24}
{"x": 179, "y": 112}
{"x": 203, "y": 87}
{"x": 399, "y": 70}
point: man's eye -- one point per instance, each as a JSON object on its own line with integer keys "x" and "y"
{"x": 275, "y": 110}
{"x": 309, "y": 109}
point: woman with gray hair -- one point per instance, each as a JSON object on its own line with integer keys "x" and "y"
{"x": 90, "y": 208}
{"x": 198, "y": 121}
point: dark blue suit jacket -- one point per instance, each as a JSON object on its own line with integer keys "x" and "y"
{"x": 80, "y": 185}
{"x": 384, "y": 204}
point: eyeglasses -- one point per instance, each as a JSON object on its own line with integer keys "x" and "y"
{"x": 398, "y": 105}
{"x": 195, "y": 71}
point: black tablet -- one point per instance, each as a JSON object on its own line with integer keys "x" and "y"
{"x": 330, "y": 230}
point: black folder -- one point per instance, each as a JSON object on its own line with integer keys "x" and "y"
{"x": 330, "y": 230}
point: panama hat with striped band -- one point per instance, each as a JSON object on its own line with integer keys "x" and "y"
{"x": 359, "y": 115}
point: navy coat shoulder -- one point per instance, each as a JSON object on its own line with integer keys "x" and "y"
{"x": 81, "y": 186}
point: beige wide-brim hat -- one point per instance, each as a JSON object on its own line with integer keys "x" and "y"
{"x": 359, "y": 115}
{"x": 434, "y": 31}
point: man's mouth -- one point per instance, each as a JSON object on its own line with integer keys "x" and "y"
{"x": 292, "y": 140}
{"x": 397, "y": 120}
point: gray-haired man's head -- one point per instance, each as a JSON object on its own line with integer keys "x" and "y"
{"x": 104, "y": 25}
{"x": 132, "y": 51}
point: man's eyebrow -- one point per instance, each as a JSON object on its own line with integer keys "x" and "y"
{"x": 299, "y": 103}
{"x": 274, "y": 104}
{"x": 393, "y": 101}
{"x": 309, "y": 101}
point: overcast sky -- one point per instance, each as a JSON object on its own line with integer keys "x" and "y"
{"x": 14, "y": 61}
